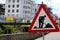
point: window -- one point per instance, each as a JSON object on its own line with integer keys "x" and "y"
{"x": 24, "y": 1}
{"x": 28, "y": 2}
{"x": 13, "y": 6}
{"x": 17, "y": 5}
{"x": 17, "y": 10}
{"x": 13, "y": 10}
{"x": 25, "y": 12}
{"x": 28, "y": 7}
{"x": 23, "y": 6}
{"x": 8, "y": 10}
{"x": 8, "y": 6}
{"x": 28, "y": 11}
{"x": 17, "y": 0}
{"x": 13, "y": 0}
{"x": 9, "y": 0}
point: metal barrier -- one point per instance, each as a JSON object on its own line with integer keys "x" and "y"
{"x": 15, "y": 23}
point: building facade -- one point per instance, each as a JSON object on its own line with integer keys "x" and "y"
{"x": 33, "y": 9}
{"x": 20, "y": 9}
{"x": 2, "y": 10}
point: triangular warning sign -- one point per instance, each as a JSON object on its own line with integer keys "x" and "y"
{"x": 43, "y": 21}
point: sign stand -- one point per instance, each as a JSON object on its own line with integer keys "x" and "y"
{"x": 43, "y": 35}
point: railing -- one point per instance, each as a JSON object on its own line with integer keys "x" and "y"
{"x": 15, "y": 23}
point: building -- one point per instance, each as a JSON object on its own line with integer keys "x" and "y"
{"x": 33, "y": 9}
{"x": 48, "y": 8}
{"x": 55, "y": 17}
{"x": 20, "y": 9}
{"x": 2, "y": 10}
{"x": 57, "y": 20}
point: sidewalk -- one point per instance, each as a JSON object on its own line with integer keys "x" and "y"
{"x": 51, "y": 36}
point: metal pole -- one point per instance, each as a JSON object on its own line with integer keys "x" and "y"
{"x": 43, "y": 35}
{"x": 15, "y": 22}
{"x": 7, "y": 31}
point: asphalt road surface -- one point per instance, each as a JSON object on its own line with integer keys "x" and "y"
{"x": 51, "y": 36}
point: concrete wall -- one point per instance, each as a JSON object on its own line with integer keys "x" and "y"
{"x": 25, "y": 36}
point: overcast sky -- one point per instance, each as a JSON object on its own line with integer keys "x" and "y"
{"x": 54, "y": 4}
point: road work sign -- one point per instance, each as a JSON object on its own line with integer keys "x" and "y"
{"x": 43, "y": 21}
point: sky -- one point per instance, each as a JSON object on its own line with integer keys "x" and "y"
{"x": 54, "y": 4}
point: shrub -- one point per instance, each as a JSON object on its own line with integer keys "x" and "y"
{"x": 9, "y": 28}
{"x": 1, "y": 31}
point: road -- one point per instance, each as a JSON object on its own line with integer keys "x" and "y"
{"x": 51, "y": 36}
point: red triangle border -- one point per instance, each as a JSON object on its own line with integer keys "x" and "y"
{"x": 42, "y": 6}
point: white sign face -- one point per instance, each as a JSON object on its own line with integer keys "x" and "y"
{"x": 42, "y": 22}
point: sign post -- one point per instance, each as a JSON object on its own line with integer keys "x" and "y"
{"x": 43, "y": 35}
